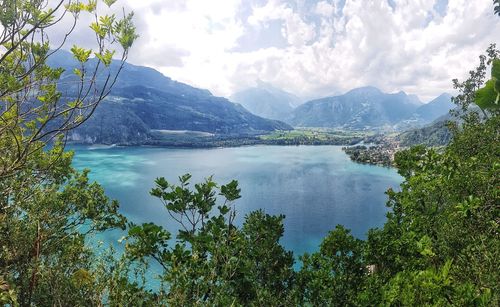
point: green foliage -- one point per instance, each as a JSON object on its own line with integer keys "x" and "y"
{"x": 81, "y": 55}
{"x": 431, "y": 288}
{"x": 335, "y": 275}
{"x": 33, "y": 110}
{"x": 44, "y": 223}
{"x": 488, "y": 97}
{"x": 213, "y": 262}
{"x": 48, "y": 210}
{"x": 446, "y": 210}
{"x": 439, "y": 246}
{"x": 314, "y": 136}
{"x": 125, "y": 31}
{"x": 7, "y": 295}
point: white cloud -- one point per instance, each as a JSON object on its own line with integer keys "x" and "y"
{"x": 331, "y": 47}
{"x": 324, "y": 8}
{"x": 295, "y": 30}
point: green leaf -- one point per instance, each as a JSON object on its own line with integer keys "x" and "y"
{"x": 124, "y": 31}
{"x": 425, "y": 246}
{"x": 231, "y": 191}
{"x": 184, "y": 179}
{"x": 81, "y": 54}
{"x": 162, "y": 183}
{"x": 105, "y": 57}
{"x": 82, "y": 277}
{"x": 109, "y": 3}
{"x": 495, "y": 69}
{"x": 75, "y": 8}
{"x": 445, "y": 271}
{"x": 487, "y": 97}
{"x": 107, "y": 22}
{"x": 100, "y": 31}
{"x": 223, "y": 210}
{"x": 91, "y": 6}
{"x": 78, "y": 72}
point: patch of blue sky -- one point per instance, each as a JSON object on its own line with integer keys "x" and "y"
{"x": 392, "y": 4}
{"x": 267, "y": 36}
{"x": 441, "y": 6}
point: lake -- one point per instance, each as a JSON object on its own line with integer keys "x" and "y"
{"x": 315, "y": 187}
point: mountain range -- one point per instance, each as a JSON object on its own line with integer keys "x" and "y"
{"x": 145, "y": 104}
{"x": 267, "y": 101}
{"x": 369, "y": 108}
{"x": 428, "y": 113}
{"x": 144, "y": 101}
{"x": 363, "y": 108}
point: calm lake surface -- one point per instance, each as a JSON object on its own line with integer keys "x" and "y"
{"x": 315, "y": 187}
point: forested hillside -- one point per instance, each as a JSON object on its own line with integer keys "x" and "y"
{"x": 435, "y": 134}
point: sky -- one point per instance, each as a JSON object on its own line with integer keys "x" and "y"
{"x": 313, "y": 48}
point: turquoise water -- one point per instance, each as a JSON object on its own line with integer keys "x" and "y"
{"x": 315, "y": 187}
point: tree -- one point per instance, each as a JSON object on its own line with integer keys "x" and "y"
{"x": 440, "y": 241}
{"x": 214, "y": 262}
{"x": 43, "y": 231}
{"x": 335, "y": 275}
{"x": 48, "y": 210}
{"x": 33, "y": 110}
{"x": 438, "y": 246}
{"x": 441, "y": 236}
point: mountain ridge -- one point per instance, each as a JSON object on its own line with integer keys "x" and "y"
{"x": 368, "y": 108}
{"x": 358, "y": 109}
{"x": 144, "y": 100}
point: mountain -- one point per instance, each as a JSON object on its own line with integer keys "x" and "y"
{"x": 361, "y": 108}
{"x": 130, "y": 75}
{"x": 435, "y": 134}
{"x": 435, "y": 108}
{"x": 428, "y": 113}
{"x": 267, "y": 101}
{"x": 143, "y": 101}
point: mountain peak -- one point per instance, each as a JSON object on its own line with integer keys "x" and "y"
{"x": 361, "y": 108}
{"x": 436, "y": 107}
{"x": 267, "y": 101}
{"x": 263, "y": 85}
{"x": 444, "y": 96}
{"x": 370, "y": 90}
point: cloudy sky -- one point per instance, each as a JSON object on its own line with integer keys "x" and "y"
{"x": 314, "y": 48}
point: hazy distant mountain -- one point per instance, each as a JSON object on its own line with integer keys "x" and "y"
{"x": 428, "y": 113}
{"x": 144, "y": 100}
{"x": 267, "y": 101}
{"x": 361, "y": 108}
{"x": 435, "y": 108}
